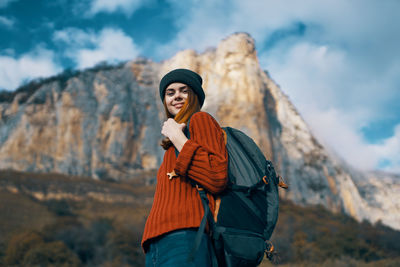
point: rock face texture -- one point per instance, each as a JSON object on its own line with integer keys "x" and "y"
{"x": 105, "y": 123}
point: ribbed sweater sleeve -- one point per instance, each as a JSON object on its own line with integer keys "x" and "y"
{"x": 204, "y": 158}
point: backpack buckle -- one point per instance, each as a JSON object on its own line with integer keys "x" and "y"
{"x": 282, "y": 183}
{"x": 269, "y": 250}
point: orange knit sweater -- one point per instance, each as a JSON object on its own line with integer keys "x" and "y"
{"x": 204, "y": 159}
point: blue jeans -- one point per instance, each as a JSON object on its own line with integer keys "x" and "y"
{"x": 174, "y": 250}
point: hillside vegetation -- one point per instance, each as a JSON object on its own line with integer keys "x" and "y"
{"x": 79, "y": 230}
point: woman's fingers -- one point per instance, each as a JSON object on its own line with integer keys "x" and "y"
{"x": 171, "y": 127}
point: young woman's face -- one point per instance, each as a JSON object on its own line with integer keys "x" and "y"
{"x": 175, "y": 96}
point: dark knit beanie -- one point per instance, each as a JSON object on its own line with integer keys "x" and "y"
{"x": 188, "y": 77}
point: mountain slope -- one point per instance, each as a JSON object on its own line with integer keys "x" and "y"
{"x": 53, "y": 219}
{"x": 105, "y": 123}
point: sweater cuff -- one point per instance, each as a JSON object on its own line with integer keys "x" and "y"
{"x": 185, "y": 157}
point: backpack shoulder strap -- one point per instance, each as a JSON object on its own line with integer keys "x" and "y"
{"x": 207, "y": 217}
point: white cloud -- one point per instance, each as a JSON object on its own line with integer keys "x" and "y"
{"x": 88, "y": 48}
{"x": 389, "y": 151}
{"x": 360, "y": 25}
{"x": 5, "y": 3}
{"x": 75, "y": 37}
{"x": 200, "y": 24}
{"x": 124, "y": 6}
{"x": 323, "y": 84}
{"x": 340, "y": 133}
{"x": 37, "y": 63}
{"x": 342, "y": 136}
{"x": 8, "y": 22}
{"x": 322, "y": 76}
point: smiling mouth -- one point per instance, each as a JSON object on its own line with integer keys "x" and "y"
{"x": 178, "y": 105}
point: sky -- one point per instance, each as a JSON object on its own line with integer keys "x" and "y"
{"x": 337, "y": 60}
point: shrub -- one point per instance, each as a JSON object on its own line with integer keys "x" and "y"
{"x": 59, "y": 207}
{"x": 53, "y": 253}
{"x": 124, "y": 247}
{"x": 19, "y": 245}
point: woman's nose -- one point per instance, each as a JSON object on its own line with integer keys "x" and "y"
{"x": 178, "y": 95}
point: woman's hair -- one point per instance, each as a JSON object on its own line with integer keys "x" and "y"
{"x": 190, "y": 107}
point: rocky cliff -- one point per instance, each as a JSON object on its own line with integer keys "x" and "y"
{"x": 106, "y": 123}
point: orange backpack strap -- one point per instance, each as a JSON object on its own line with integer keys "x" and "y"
{"x": 217, "y": 205}
{"x": 225, "y": 136}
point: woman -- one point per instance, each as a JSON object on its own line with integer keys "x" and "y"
{"x": 177, "y": 208}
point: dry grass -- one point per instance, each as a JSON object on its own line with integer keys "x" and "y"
{"x": 19, "y": 212}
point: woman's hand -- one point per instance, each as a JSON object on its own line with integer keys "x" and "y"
{"x": 174, "y": 131}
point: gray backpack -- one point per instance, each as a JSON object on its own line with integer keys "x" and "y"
{"x": 247, "y": 210}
